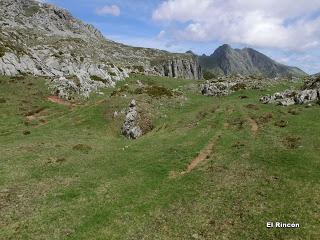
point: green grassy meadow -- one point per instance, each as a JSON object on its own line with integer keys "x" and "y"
{"x": 66, "y": 172}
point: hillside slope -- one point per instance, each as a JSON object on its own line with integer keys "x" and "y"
{"x": 68, "y": 173}
{"x": 226, "y": 60}
{"x": 42, "y": 39}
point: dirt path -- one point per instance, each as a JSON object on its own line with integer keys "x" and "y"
{"x": 254, "y": 126}
{"x": 58, "y": 100}
{"x": 202, "y": 156}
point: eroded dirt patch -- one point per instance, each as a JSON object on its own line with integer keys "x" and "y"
{"x": 58, "y": 100}
{"x": 252, "y": 106}
{"x": 254, "y": 126}
{"x": 203, "y": 155}
{"x": 291, "y": 142}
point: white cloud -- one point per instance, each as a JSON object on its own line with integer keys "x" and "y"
{"x": 284, "y": 24}
{"x": 109, "y": 10}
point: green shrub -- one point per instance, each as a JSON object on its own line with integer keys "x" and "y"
{"x": 82, "y": 148}
{"x": 139, "y": 68}
{"x": 158, "y": 91}
{"x": 208, "y": 75}
{"x": 120, "y": 90}
{"x": 30, "y": 11}
{"x": 2, "y": 51}
{"x": 239, "y": 86}
{"x": 112, "y": 74}
{"x": 2, "y": 100}
{"x": 74, "y": 79}
{"x": 139, "y": 91}
{"x": 98, "y": 79}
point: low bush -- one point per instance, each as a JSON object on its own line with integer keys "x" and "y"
{"x": 82, "y": 148}
{"x": 208, "y": 75}
{"x": 98, "y": 79}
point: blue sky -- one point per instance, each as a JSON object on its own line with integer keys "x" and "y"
{"x": 289, "y": 33}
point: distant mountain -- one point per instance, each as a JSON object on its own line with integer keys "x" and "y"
{"x": 316, "y": 75}
{"x": 226, "y": 60}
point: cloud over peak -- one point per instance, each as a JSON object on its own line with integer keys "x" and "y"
{"x": 113, "y": 10}
{"x": 286, "y": 24}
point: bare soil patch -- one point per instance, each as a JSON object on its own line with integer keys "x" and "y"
{"x": 254, "y": 126}
{"x": 291, "y": 142}
{"x": 58, "y": 100}
{"x": 202, "y": 156}
{"x": 252, "y": 106}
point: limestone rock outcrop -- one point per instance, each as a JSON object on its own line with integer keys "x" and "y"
{"x": 130, "y": 127}
{"x": 308, "y": 94}
{"x": 42, "y": 39}
{"x": 225, "y": 85}
{"x": 178, "y": 68}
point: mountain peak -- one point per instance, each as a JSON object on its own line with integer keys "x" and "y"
{"x": 225, "y": 46}
{"x": 246, "y": 61}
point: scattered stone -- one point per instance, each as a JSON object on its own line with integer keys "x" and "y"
{"x": 287, "y": 102}
{"x": 309, "y": 93}
{"x": 140, "y": 84}
{"x": 225, "y": 85}
{"x": 307, "y": 96}
{"x": 115, "y": 114}
{"x": 215, "y": 89}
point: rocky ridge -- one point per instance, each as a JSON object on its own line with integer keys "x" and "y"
{"x": 226, "y": 60}
{"x": 42, "y": 39}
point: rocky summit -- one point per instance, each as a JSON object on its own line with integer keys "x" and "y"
{"x": 44, "y": 40}
{"x": 226, "y": 60}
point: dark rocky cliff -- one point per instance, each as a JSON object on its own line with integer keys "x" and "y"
{"x": 226, "y": 60}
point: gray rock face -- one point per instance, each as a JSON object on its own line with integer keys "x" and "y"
{"x": 178, "y": 68}
{"x": 309, "y": 93}
{"x": 226, "y": 60}
{"x": 130, "y": 129}
{"x": 307, "y": 96}
{"x": 42, "y": 39}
